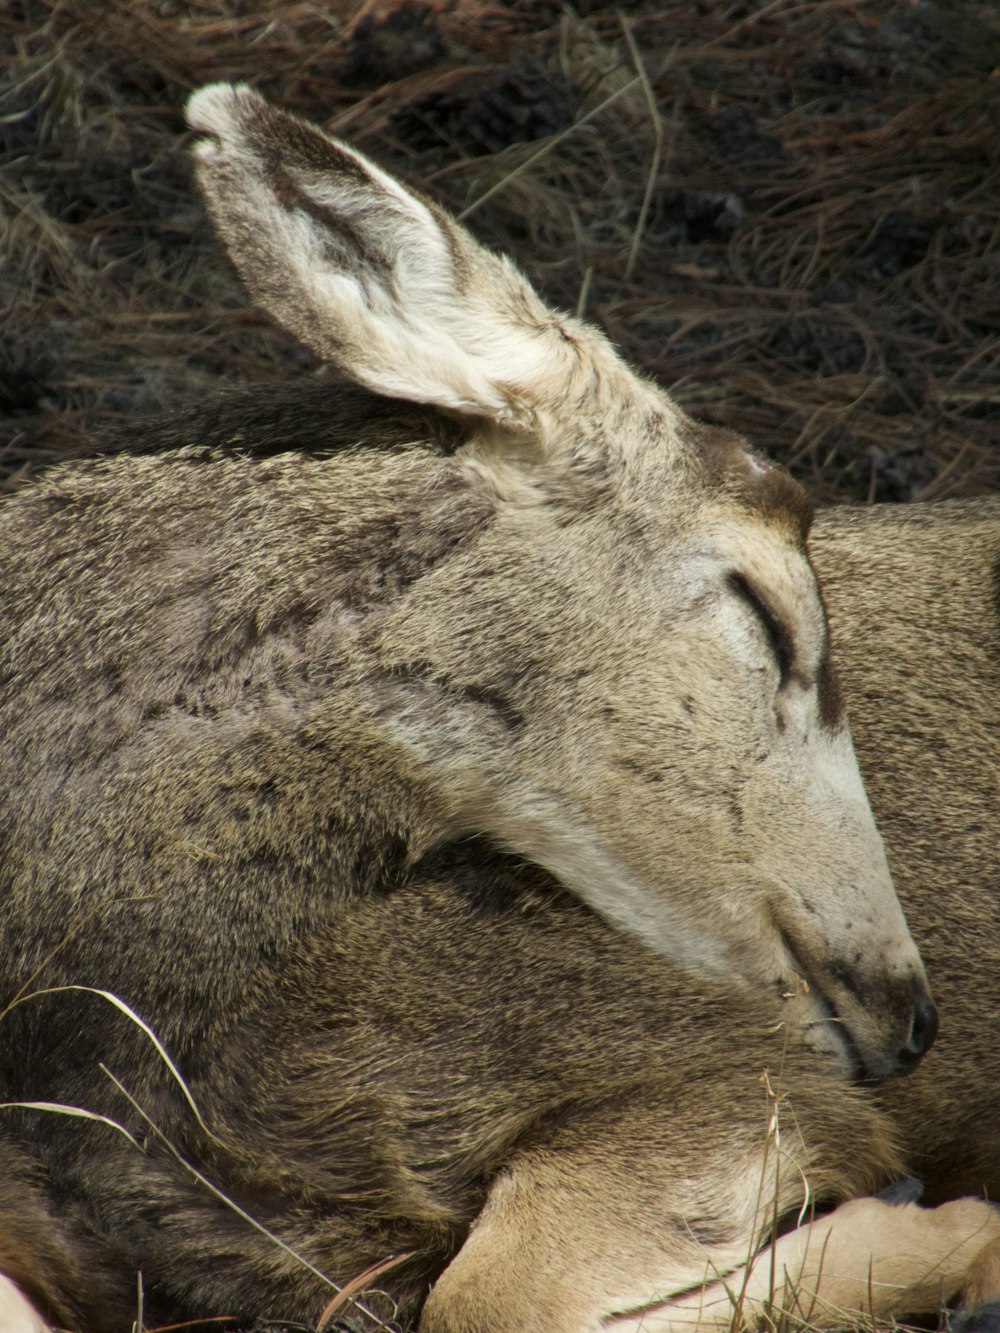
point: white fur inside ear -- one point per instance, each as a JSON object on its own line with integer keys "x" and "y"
{"x": 17, "y": 1314}
{"x": 381, "y": 283}
{"x": 390, "y": 309}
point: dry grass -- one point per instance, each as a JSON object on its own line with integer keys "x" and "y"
{"x": 789, "y": 211}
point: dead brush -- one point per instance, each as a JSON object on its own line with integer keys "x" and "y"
{"x": 791, "y": 215}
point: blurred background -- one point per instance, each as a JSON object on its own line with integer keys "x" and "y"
{"x": 787, "y": 212}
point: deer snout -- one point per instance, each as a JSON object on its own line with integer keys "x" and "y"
{"x": 923, "y": 1031}
{"x": 890, "y": 1033}
{"x": 881, "y": 1006}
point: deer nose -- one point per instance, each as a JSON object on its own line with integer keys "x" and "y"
{"x": 923, "y": 1030}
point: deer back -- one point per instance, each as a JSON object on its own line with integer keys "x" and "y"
{"x": 914, "y": 599}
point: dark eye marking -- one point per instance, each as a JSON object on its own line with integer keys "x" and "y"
{"x": 781, "y": 641}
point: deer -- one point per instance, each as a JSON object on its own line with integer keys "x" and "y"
{"x": 453, "y": 773}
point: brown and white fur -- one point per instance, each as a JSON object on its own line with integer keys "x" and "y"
{"x": 462, "y": 792}
{"x": 571, "y": 621}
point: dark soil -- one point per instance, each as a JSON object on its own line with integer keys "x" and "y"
{"x": 789, "y": 213}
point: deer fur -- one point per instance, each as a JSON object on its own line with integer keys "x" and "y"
{"x": 460, "y": 788}
{"x": 572, "y": 622}
{"x": 480, "y": 1050}
{"x": 918, "y": 646}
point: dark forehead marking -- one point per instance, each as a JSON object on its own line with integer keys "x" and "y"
{"x": 830, "y": 696}
{"x": 751, "y": 480}
{"x": 832, "y": 712}
{"x": 780, "y": 500}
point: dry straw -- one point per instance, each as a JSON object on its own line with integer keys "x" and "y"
{"x": 790, "y": 212}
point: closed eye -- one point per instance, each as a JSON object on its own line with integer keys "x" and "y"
{"x": 781, "y": 642}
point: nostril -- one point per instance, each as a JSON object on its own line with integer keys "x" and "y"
{"x": 923, "y": 1028}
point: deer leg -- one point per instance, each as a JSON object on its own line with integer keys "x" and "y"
{"x": 619, "y": 1222}
{"x": 980, "y": 1309}
{"x": 866, "y": 1258}
{"x": 548, "y": 1257}
{"x": 611, "y": 1214}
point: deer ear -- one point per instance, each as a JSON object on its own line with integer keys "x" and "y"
{"x": 374, "y": 278}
